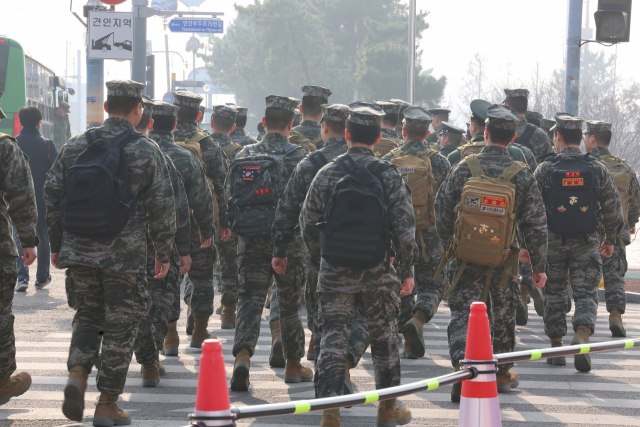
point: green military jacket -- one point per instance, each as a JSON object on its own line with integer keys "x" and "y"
{"x": 61, "y": 131}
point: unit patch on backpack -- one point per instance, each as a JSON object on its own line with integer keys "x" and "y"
{"x": 494, "y": 205}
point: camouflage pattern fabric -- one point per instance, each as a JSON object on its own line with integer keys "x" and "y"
{"x": 309, "y": 129}
{"x": 183, "y": 223}
{"x": 125, "y": 88}
{"x": 317, "y": 91}
{"x": 516, "y": 93}
{"x": 539, "y": 144}
{"x": 109, "y": 305}
{"x": 223, "y": 141}
{"x": 365, "y": 113}
{"x": 239, "y": 136}
{"x": 456, "y": 154}
{"x": 568, "y": 121}
{"x": 224, "y": 111}
{"x": 8, "y": 279}
{"x": 228, "y": 269}
{"x": 282, "y": 102}
{"x": 597, "y": 126}
{"x": 501, "y": 117}
{"x": 61, "y": 131}
{"x": 391, "y": 134}
{"x": 186, "y": 98}
{"x": 532, "y": 162}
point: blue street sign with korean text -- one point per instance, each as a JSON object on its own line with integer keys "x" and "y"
{"x": 193, "y": 25}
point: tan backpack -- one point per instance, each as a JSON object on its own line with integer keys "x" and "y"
{"x": 485, "y": 226}
{"x": 385, "y": 146}
{"x": 471, "y": 148}
{"x": 622, "y": 176}
{"x": 296, "y": 138}
{"x": 229, "y": 149}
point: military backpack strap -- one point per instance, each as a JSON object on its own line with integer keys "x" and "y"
{"x": 397, "y": 152}
{"x": 378, "y": 167}
{"x": 231, "y": 148}
{"x": 318, "y": 160}
{"x": 474, "y": 165}
{"x": 511, "y": 171}
{"x": 317, "y": 140}
{"x": 198, "y": 137}
{"x": 526, "y": 135}
{"x": 346, "y": 164}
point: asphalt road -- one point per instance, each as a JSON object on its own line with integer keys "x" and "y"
{"x": 547, "y": 395}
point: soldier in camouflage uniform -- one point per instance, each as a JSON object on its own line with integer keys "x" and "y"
{"x": 403, "y": 106}
{"x": 546, "y": 126}
{"x": 440, "y": 115}
{"x": 255, "y": 269}
{"x": 18, "y": 205}
{"x": 239, "y": 136}
{"x": 312, "y": 99}
{"x": 61, "y": 125}
{"x": 577, "y": 258}
{"x": 390, "y": 120}
{"x": 215, "y": 167}
{"x": 297, "y": 118}
{"x": 429, "y": 291}
{"x": 533, "y": 117}
{"x": 531, "y": 219}
{"x": 106, "y": 286}
{"x": 451, "y": 138}
{"x": 197, "y": 192}
{"x": 342, "y": 290}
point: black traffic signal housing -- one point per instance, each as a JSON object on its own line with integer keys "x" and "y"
{"x": 613, "y": 21}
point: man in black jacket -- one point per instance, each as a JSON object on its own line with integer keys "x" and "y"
{"x": 42, "y": 153}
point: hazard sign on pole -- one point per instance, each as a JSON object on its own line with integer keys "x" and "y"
{"x": 110, "y": 35}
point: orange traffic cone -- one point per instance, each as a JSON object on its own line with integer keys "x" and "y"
{"x": 479, "y": 405}
{"x": 212, "y": 397}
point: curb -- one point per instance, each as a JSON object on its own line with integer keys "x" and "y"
{"x": 632, "y": 297}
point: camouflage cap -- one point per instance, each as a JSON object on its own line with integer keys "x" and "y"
{"x": 364, "y": 113}
{"x": 317, "y": 91}
{"x": 417, "y": 117}
{"x": 597, "y": 126}
{"x": 533, "y": 115}
{"x": 282, "y": 102}
{"x": 338, "y": 113}
{"x": 547, "y": 124}
{"x": 186, "y": 98}
{"x": 446, "y": 127}
{"x": 147, "y": 105}
{"x": 516, "y": 93}
{"x": 479, "y": 109}
{"x": 567, "y": 121}
{"x": 242, "y": 111}
{"x": 224, "y": 111}
{"x": 161, "y": 108}
{"x": 438, "y": 110}
{"x": 125, "y": 88}
{"x": 2, "y": 115}
{"x": 502, "y": 117}
{"x": 388, "y": 107}
{"x": 403, "y": 104}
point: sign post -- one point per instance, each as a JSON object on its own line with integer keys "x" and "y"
{"x": 110, "y": 35}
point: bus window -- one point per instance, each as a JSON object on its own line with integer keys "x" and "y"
{"x": 4, "y": 62}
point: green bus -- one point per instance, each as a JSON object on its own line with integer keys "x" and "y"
{"x": 25, "y": 81}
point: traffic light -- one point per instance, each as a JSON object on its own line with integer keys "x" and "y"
{"x": 151, "y": 61}
{"x": 613, "y": 21}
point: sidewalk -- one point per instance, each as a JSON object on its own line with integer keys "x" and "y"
{"x": 633, "y": 275}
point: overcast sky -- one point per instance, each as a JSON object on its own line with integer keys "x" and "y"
{"x": 458, "y": 30}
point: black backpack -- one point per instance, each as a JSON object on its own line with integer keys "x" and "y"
{"x": 318, "y": 160}
{"x": 354, "y": 229}
{"x": 572, "y": 202}
{"x": 97, "y": 199}
{"x": 525, "y": 137}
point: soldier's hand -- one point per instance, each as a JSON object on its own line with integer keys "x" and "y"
{"x": 185, "y": 264}
{"x": 279, "y": 265}
{"x": 632, "y": 230}
{"x": 161, "y": 270}
{"x": 225, "y": 234}
{"x": 524, "y": 256}
{"x": 54, "y": 260}
{"x": 539, "y": 280}
{"x": 606, "y": 250}
{"x": 29, "y": 256}
{"x": 204, "y": 244}
{"x": 407, "y": 286}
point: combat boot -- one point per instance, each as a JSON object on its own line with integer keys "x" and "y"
{"x": 172, "y": 340}
{"x": 348, "y": 385}
{"x": 296, "y": 373}
{"x": 108, "y": 414}
{"x": 330, "y": 418}
{"x": 200, "y": 333}
{"x": 73, "y": 404}
{"x": 538, "y": 301}
{"x": 13, "y": 386}
{"x": 456, "y": 389}
{"x": 615, "y": 324}
{"x": 413, "y": 331}
{"x": 506, "y": 380}
{"x": 560, "y": 360}
{"x": 161, "y": 370}
{"x": 582, "y": 361}
{"x": 150, "y": 374}
{"x": 240, "y": 377}
{"x": 276, "y": 357}
{"x": 190, "y": 318}
{"x": 311, "y": 351}
{"x": 522, "y": 313}
{"x": 219, "y": 309}
{"x": 228, "y": 317}
{"x": 406, "y": 351}
{"x": 390, "y": 415}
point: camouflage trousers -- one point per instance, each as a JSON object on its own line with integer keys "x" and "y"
{"x": 613, "y": 271}
{"x": 228, "y": 269}
{"x": 504, "y": 302}
{"x": 201, "y": 278}
{"x": 8, "y": 279}
{"x": 109, "y": 305}
{"x": 527, "y": 278}
{"x": 580, "y": 263}
{"x": 254, "y": 278}
{"x": 336, "y": 315}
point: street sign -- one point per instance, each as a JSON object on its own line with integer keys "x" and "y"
{"x": 188, "y": 83}
{"x": 110, "y": 35}
{"x": 168, "y": 98}
{"x": 194, "y": 25}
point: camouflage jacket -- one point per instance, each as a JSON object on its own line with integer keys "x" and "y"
{"x": 215, "y": 165}
{"x": 532, "y": 162}
{"x": 402, "y": 227}
{"x": 539, "y": 144}
{"x": 309, "y": 129}
{"x": 514, "y": 152}
{"x": 288, "y": 212}
{"x": 606, "y": 192}
{"x": 528, "y": 208}
{"x": 390, "y": 133}
{"x": 239, "y": 136}
{"x": 194, "y": 181}
{"x": 18, "y": 199}
{"x": 155, "y": 208}
{"x": 439, "y": 164}
{"x": 223, "y": 141}
{"x": 183, "y": 225}
{"x": 61, "y": 131}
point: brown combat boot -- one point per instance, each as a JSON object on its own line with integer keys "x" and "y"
{"x": 150, "y": 374}
{"x": 200, "y": 332}
{"x": 276, "y": 357}
{"x": 228, "y": 317}
{"x": 456, "y": 389}
{"x": 560, "y": 360}
{"x": 311, "y": 351}
{"x": 172, "y": 340}
{"x": 413, "y": 330}
{"x": 240, "y": 377}
{"x": 390, "y": 415}
{"x": 296, "y": 373}
{"x": 615, "y": 324}
{"x": 161, "y": 369}
{"x": 506, "y": 380}
{"x": 16, "y": 385}
{"x": 108, "y": 414}
{"x": 73, "y": 404}
{"x": 406, "y": 351}
{"x": 582, "y": 361}
{"x": 219, "y": 309}
{"x": 330, "y": 418}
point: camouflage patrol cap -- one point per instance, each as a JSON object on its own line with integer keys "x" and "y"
{"x": 161, "y": 108}
{"x": 403, "y": 104}
{"x": 417, "y": 117}
{"x": 547, "y": 124}
{"x": 224, "y": 112}
{"x": 479, "y": 109}
{"x": 338, "y": 113}
{"x": 438, "y": 111}
{"x": 364, "y": 113}
{"x": 2, "y": 115}
{"x": 446, "y": 127}
{"x": 242, "y": 111}
{"x": 186, "y": 98}
{"x": 282, "y": 102}
{"x": 502, "y": 117}
{"x": 567, "y": 121}
{"x": 125, "y": 88}
{"x": 533, "y": 115}
{"x": 317, "y": 91}
{"x": 516, "y": 93}
{"x": 597, "y": 126}
{"x": 147, "y": 105}
{"x": 388, "y": 107}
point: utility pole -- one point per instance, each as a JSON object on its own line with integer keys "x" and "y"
{"x": 139, "y": 62}
{"x": 411, "y": 78}
{"x": 574, "y": 30}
